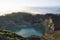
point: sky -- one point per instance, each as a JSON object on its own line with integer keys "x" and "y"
{"x": 19, "y": 5}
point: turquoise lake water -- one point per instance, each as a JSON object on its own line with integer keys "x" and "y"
{"x": 26, "y": 32}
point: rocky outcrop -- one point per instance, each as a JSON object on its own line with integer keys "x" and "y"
{"x": 7, "y": 35}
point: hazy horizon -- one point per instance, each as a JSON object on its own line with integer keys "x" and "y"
{"x": 8, "y": 6}
{"x": 37, "y": 10}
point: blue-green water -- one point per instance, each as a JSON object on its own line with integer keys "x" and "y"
{"x": 26, "y": 32}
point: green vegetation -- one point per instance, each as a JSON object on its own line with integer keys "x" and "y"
{"x": 7, "y": 35}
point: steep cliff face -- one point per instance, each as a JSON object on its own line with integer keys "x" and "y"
{"x": 56, "y": 20}
{"x": 49, "y": 30}
{"x": 50, "y": 25}
{"x": 17, "y": 21}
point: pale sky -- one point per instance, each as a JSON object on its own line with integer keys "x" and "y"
{"x": 18, "y": 5}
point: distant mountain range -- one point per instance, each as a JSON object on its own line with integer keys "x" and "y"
{"x": 37, "y": 10}
{"x": 43, "y": 10}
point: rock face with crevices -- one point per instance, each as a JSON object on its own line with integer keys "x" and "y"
{"x": 48, "y": 23}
